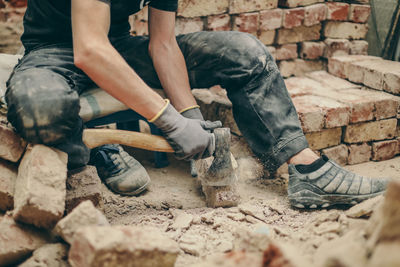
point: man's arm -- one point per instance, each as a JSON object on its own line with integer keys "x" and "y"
{"x": 94, "y": 54}
{"x": 168, "y": 59}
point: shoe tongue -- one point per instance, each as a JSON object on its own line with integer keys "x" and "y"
{"x": 303, "y": 169}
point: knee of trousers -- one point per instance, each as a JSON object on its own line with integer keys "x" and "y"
{"x": 42, "y": 106}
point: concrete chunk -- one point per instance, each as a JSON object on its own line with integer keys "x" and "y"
{"x": 40, "y": 187}
{"x": 8, "y": 175}
{"x": 84, "y": 214}
{"x": 12, "y": 146}
{"x": 129, "y": 246}
{"x": 221, "y": 196}
{"x": 50, "y": 255}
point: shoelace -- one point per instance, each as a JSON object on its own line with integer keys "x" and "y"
{"x": 109, "y": 156}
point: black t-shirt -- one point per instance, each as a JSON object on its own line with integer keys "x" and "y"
{"x": 49, "y": 21}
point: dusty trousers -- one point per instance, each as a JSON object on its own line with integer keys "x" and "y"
{"x": 43, "y": 92}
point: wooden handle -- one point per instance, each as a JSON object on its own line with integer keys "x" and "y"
{"x": 98, "y": 137}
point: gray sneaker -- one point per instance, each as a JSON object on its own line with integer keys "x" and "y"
{"x": 331, "y": 185}
{"x": 119, "y": 171}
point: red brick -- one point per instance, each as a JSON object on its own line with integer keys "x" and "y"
{"x": 359, "y": 153}
{"x": 293, "y": 17}
{"x": 272, "y": 51}
{"x": 337, "y": 11}
{"x": 386, "y": 105}
{"x": 267, "y": 37}
{"x": 314, "y": 14}
{"x": 345, "y": 30}
{"x": 384, "y": 150}
{"x": 336, "y": 47}
{"x": 329, "y": 80}
{"x": 287, "y": 68}
{"x": 370, "y": 131}
{"x": 359, "y": 13}
{"x": 8, "y": 174}
{"x": 311, "y": 50}
{"x": 286, "y": 51}
{"x": 219, "y": 23}
{"x": 188, "y": 25}
{"x": 299, "y": 67}
{"x": 271, "y": 19}
{"x": 295, "y": 3}
{"x": 358, "y": 47}
{"x": 243, "y": 6}
{"x": 325, "y": 138}
{"x": 300, "y": 86}
{"x": 311, "y": 116}
{"x": 338, "y": 153}
{"x": 298, "y": 34}
{"x": 247, "y": 22}
{"x": 339, "y": 66}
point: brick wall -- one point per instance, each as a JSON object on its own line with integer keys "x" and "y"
{"x": 11, "y": 13}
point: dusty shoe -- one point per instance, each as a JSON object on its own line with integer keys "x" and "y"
{"x": 331, "y": 185}
{"x": 119, "y": 171}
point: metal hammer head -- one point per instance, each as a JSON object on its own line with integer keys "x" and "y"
{"x": 218, "y": 170}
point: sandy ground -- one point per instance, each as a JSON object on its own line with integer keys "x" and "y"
{"x": 174, "y": 204}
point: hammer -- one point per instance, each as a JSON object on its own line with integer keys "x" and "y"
{"x": 216, "y": 174}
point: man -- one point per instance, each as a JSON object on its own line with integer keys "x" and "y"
{"x": 71, "y": 44}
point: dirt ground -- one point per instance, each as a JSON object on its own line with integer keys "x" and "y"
{"x": 175, "y": 204}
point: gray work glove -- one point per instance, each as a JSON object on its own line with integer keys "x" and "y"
{"x": 189, "y": 138}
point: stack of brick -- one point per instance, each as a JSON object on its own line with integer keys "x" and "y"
{"x": 11, "y": 13}
{"x": 300, "y": 34}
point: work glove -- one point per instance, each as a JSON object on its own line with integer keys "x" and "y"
{"x": 189, "y": 138}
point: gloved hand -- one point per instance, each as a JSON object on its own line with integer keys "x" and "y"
{"x": 189, "y": 138}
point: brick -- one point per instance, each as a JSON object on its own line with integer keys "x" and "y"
{"x": 337, "y": 11}
{"x": 17, "y": 241}
{"x": 82, "y": 186}
{"x": 314, "y": 14}
{"x": 359, "y": 13}
{"x": 299, "y": 34}
{"x": 359, "y": 153}
{"x": 42, "y": 169}
{"x": 301, "y": 86}
{"x": 296, "y": 3}
{"x": 118, "y": 245}
{"x": 287, "y": 68}
{"x": 188, "y": 25}
{"x": 246, "y": 22}
{"x": 286, "y": 51}
{"x": 272, "y": 51}
{"x": 221, "y": 196}
{"x": 384, "y": 150}
{"x": 47, "y": 256}
{"x": 198, "y": 8}
{"x": 242, "y": 6}
{"x": 385, "y": 105}
{"x": 8, "y": 175}
{"x": 325, "y": 138}
{"x": 311, "y": 50}
{"x": 299, "y": 67}
{"x": 219, "y": 23}
{"x": 271, "y": 19}
{"x": 370, "y": 131}
{"x": 267, "y": 37}
{"x": 140, "y": 28}
{"x": 84, "y": 214}
{"x": 293, "y": 17}
{"x": 329, "y": 80}
{"x": 336, "y": 47}
{"x": 338, "y": 153}
{"x": 12, "y": 146}
{"x": 345, "y": 30}
{"x": 312, "y": 117}
{"x": 339, "y": 66}
{"x": 358, "y": 47}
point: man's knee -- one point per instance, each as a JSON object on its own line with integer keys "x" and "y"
{"x": 41, "y": 106}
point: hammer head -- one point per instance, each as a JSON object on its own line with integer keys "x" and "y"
{"x": 218, "y": 170}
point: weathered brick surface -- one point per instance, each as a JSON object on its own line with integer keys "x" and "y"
{"x": 122, "y": 246}
{"x": 325, "y": 138}
{"x": 242, "y": 6}
{"x": 271, "y": 19}
{"x": 336, "y": 47}
{"x": 267, "y": 37}
{"x": 314, "y": 14}
{"x": 189, "y": 8}
{"x": 306, "y": 66}
{"x": 300, "y": 86}
{"x": 337, "y": 11}
{"x": 11, "y": 146}
{"x": 386, "y": 105}
{"x": 293, "y": 17}
{"x": 345, "y": 30}
{"x": 311, "y": 116}
{"x": 339, "y": 66}
{"x": 358, "y": 47}
{"x": 359, "y": 153}
{"x": 287, "y": 68}
{"x": 370, "y": 131}
{"x": 312, "y": 50}
{"x": 82, "y": 186}
{"x": 338, "y": 153}
{"x": 17, "y": 241}
{"x": 48, "y": 255}
{"x": 84, "y": 214}
{"x": 286, "y": 51}
{"x": 295, "y": 3}
{"x": 42, "y": 169}
{"x": 329, "y": 80}
{"x": 359, "y": 13}
{"x": 188, "y": 25}
{"x": 219, "y": 23}
{"x": 298, "y": 34}
{"x": 272, "y": 51}
{"x": 247, "y": 22}
{"x": 384, "y": 150}
{"x": 8, "y": 175}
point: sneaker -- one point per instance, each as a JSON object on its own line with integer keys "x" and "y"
{"x": 120, "y": 172}
{"x": 331, "y": 185}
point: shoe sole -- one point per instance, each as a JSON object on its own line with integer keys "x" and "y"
{"x": 134, "y": 193}
{"x": 306, "y": 199}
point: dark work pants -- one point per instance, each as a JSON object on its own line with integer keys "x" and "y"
{"x": 43, "y": 92}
